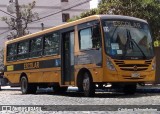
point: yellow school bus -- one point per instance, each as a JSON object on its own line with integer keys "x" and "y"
{"x": 88, "y": 53}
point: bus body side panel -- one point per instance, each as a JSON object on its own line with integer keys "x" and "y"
{"x": 96, "y": 72}
{"x": 51, "y": 76}
{"x": 43, "y": 73}
{"x": 12, "y": 77}
{"x": 35, "y": 77}
{"x": 44, "y": 76}
{"x": 92, "y": 61}
{"x": 89, "y": 59}
{"x": 38, "y": 70}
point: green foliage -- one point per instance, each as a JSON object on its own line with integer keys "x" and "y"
{"x": 74, "y": 18}
{"x": 84, "y": 14}
{"x": 145, "y": 9}
{"x": 89, "y": 13}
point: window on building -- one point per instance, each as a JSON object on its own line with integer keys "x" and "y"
{"x": 64, "y": 0}
{"x": 65, "y": 17}
{"x": 36, "y": 47}
{"x": 51, "y": 45}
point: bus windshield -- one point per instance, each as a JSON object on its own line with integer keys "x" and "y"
{"x": 127, "y": 39}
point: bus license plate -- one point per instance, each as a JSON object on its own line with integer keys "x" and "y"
{"x": 135, "y": 75}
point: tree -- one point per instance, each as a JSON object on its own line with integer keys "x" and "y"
{"x": 84, "y": 14}
{"x": 145, "y": 9}
{"x": 25, "y": 16}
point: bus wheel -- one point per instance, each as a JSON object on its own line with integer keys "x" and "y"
{"x": 27, "y": 88}
{"x": 0, "y": 87}
{"x": 88, "y": 86}
{"x": 130, "y": 89}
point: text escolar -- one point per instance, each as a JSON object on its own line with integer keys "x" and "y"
{"x": 32, "y": 65}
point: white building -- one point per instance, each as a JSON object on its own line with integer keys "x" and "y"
{"x": 94, "y": 3}
{"x": 58, "y": 11}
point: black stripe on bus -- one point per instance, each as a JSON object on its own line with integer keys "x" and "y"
{"x": 34, "y": 65}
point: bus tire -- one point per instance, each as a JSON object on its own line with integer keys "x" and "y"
{"x": 27, "y": 88}
{"x": 80, "y": 83}
{"x": 0, "y": 87}
{"x": 130, "y": 89}
{"x": 88, "y": 85}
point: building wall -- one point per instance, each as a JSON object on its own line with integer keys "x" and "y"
{"x": 44, "y": 8}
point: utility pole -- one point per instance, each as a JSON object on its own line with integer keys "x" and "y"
{"x": 42, "y": 25}
{"x": 18, "y": 20}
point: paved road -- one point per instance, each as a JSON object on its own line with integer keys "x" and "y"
{"x": 13, "y": 96}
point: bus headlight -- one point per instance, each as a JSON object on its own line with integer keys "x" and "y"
{"x": 110, "y": 65}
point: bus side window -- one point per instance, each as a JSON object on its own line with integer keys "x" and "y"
{"x": 51, "y": 44}
{"x": 85, "y": 38}
{"x": 90, "y": 38}
{"x": 11, "y": 52}
{"x": 36, "y": 47}
{"x": 23, "y": 49}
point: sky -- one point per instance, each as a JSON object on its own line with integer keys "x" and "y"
{"x": 93, "y": 4}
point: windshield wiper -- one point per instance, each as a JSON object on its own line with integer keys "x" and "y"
{"x": 144, "y": 56}
{"x": 129, "y": 42}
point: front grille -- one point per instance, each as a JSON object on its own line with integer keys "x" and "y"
{"x": 148, "y": 62}
{"x": 129, "y": 77}
{"x": 133, "y": 67}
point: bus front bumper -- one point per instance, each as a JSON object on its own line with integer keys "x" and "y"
{"x": 128, "y": 76}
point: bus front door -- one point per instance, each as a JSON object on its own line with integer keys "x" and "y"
{"x": 67, "y": 54}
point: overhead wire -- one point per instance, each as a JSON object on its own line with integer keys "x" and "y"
{"x": 7, "y": 13}
{"x": 60, "y": 11}
{"x": 35, "y": 21}
{"x": 73, "y": 3}
{"x": 41, "y": 21}
{"x": 11, "y": 16}
{"x": 5, "y": 32}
